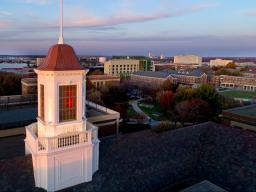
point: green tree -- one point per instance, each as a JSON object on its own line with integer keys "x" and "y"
{"x": 10, "y": 84}
{"x": 95, "y": 96}
{"x": 96, "y": 72}
{"x": 223, "y": 71}
{"x": 183, "y": 94}
{"x": 208, "y": 93}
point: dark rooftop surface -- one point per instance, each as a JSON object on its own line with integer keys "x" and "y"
{"x": 16, "y": 117}
{"x": 249, "y": 110}
{"x": 204, "y": 186}
{"x": 167, "y": 73}
{"x": 24, "y": 115}
{"x": 156, "y": 74}
{"x": 194, "y": 72}
{"x": 147, "y": 161}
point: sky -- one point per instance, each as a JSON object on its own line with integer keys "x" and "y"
{"x": 131, "y": 27}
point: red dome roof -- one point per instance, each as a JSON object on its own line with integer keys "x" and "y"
{"x": 60, "y": 57}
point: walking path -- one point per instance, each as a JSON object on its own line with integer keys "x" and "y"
{"x": 138, "y": 110}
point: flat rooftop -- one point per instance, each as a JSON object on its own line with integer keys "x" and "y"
{"x": 246, "y": 114}
{"x": 249, "y": 111}
{"x": 24, "y": 115}
{"x": 29, "y": 80}
{"x": 17, "y": 116}
{"x": 147, "y": 161}
{"x": 92, "y": 112}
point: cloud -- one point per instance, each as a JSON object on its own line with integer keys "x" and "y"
{"x": 5, "y": 13}
{"x": 124, "y": 16}
{"x": 40, "y": 2}
{"x": 250, "y": 13}
{"x": 4, "y": 23}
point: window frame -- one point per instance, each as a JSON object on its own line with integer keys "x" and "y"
{"x": 63, "y": 120}
{"x": 42, "y": 102}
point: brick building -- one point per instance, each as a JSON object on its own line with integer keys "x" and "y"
{"x": 189, "y": 77}
{"x": 101, "y": 80}
{"x": 238, "y": 82}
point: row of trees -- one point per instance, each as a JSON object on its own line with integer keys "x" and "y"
{"x": 111, "y": 95}
{"x": 10, "y": 84}
{"x": 223, "y": 71}
{"x": 179, "y": 103}
{"x": 188, "y": 104}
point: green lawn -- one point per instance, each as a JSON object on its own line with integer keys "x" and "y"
{"x": 239, "y": 94}
{"x": 162, "y": 115}
{"x": 131, "y": 113}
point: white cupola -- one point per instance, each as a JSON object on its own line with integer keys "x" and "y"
{"x": 63, "y": 145}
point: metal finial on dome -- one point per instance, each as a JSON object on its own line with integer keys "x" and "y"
{"x": 61, "y": 38}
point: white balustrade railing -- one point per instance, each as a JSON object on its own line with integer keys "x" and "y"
{"x": 44, "y": 144}
{"x": 93, "y": 129}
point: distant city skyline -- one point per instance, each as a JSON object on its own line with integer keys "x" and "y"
{"x": 131, "y": 27}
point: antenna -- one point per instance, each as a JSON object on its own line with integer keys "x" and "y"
{"x": 61, "y": 38}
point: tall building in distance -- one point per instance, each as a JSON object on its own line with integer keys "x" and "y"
{"x": 150, "y": 55}
{"x": 162, "y": 56}
{"x": 121, "y": 67}
{"x": 124, "y": 66}
{"x": 63, "y": 145}
{"x": 39, "y": 61}
{"x": 220, "y": 62}
{"x": 188, "y": 59}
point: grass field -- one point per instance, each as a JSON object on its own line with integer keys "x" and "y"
{"x": 156, "y": 109}
{"x": 239, "y": 94}
{"x": 131, "y": 113}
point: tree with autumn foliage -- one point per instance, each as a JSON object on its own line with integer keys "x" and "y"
{"x": 209, "y": 94}
{"x": 231, "y": 65}
{"x": 193, "y": 110}
{"x": 95, "y": 96}
{"x": 165, "y": 99}
{"x": 168, "y": 85}
{"x": 183, "y": 94}
{"x": 89, "y": 85}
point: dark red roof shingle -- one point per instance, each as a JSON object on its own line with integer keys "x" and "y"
{"x": 61, "y": 57}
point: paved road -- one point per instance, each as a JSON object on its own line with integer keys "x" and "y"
{"x": 136, "y": 107}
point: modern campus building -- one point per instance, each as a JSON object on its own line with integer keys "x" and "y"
{"x": 101, "y": 80}
{"x": 188, "y": 59}
{"x": 124, "y": 66}
{"x": 220, "y": 62}
{"x": 189, "y": 77}
{"x": 121, "y": 67}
